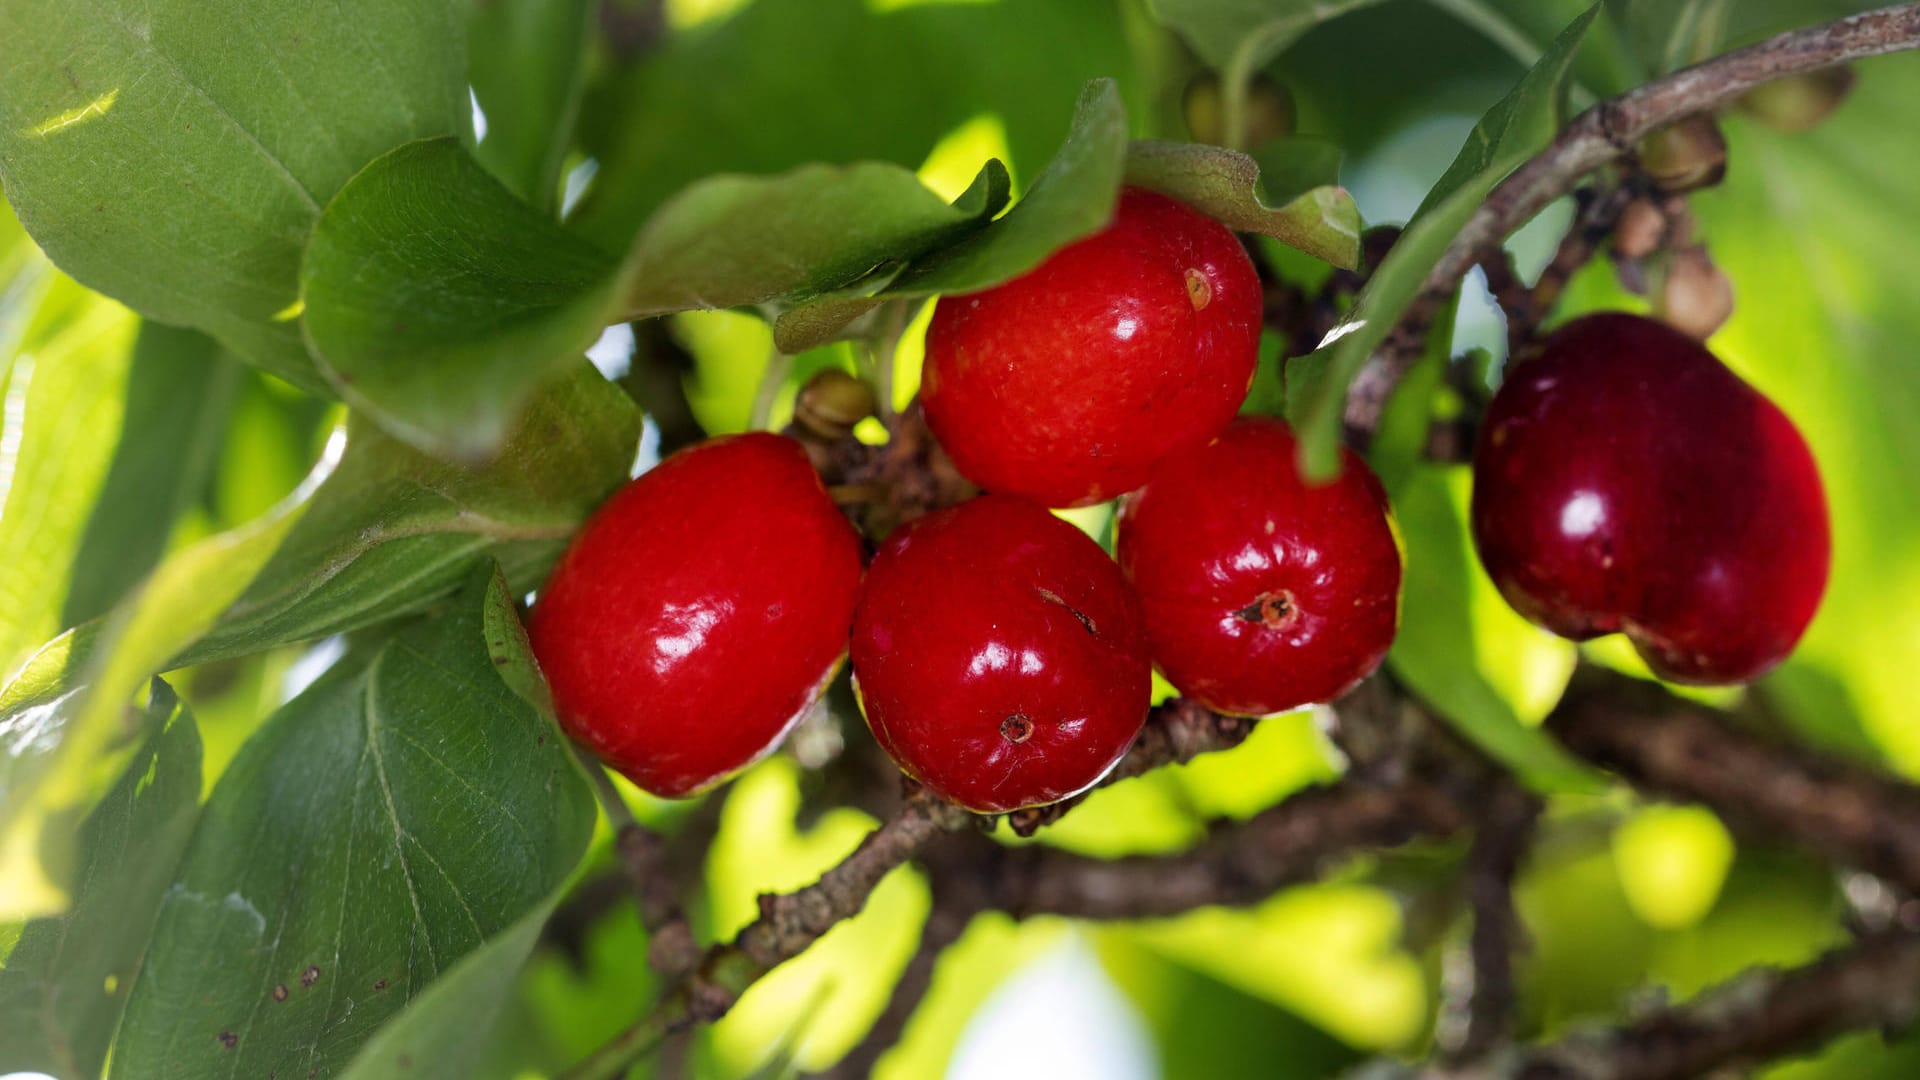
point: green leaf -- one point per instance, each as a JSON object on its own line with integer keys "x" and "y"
{"x": 1073, "y": 197}
{"x": 752, "y": 94}
{"x": 68, "y": 977}
{"x": 67, "y": 385}
{"x": 392, "y": 529}
{"x": 179, "y": 394}
{"x": 379, "y": 532}
{"x": 1490, "y": 673}
{"x": 407, "y": 811}
{"x": 1515, "y": 129}
{"x": 437, "y": 302}
{"x": 1225, "y": 184}
{"x": 174, "y": 153}
{"x": 1238, "y": 37}
{"x": 527, "y": 62}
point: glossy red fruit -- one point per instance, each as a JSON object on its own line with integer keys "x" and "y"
{"x": 1262, "y": 592}
{"x": 699, "y": 612}
{"x": 1625, "y": 480}
{"x": 1067, "y": 384}
{"x": 999, "y": 655}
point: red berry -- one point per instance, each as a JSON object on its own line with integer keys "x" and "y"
{"x": 1625, "y": 480}
{"x": 699, "y": 612}
{"x": 1262, "y": 592}
{"x": 1066, "y": 385}
{"x": 999, "y": 655}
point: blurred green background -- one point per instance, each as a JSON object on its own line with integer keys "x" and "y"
{"x": 1623, "y": 902}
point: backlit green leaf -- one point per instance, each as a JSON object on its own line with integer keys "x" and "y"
{"x": 174, "y": 153}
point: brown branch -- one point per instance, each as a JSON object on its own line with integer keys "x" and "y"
{"x": 1175, "y": 733}
{"x": 945, "y": 923}
{"x": 1755, "y": 1018}
{"x": 1610, "y": 130}
{"x": 1296, "y": 841}
{"x": 1484, "y": 1019}
{"x": 1843, "y": 812}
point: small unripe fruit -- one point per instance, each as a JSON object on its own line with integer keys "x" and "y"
{"x": 832, "y": 403}
{"x": 699, "y": 613}
{"x": 1262, "y": 592}
{"x": 999, "y": 656}
{"x": 1686, "y": 155}
{"x": 1067, "y": 384}
{"x": 1640, "y": 231}
{"x": 1626, "y": 481}
{"x": 1798, "y": 103}
{"x": 1269, "y": 112}
{"x": 1696, "y": 296}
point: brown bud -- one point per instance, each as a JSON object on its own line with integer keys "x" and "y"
{"x": 1685, "y": 156}
{"x": 1269, "y": 110}
{"x": 1696, "y": 298}
{"x": 1640, "y": 230}
{"x": 831, "y": 404}
{"x": 1800, "y": 102}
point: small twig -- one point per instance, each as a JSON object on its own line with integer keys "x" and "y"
{"x": 1482, "y": 1019}
{"x": 644, "y": 862}
{"x": 945, "y": 923}
{"x": 787, "y": 925}
{"x": 1296, "y": 841}
{"x": 1527, "y": 306}
{"x": 1610, "y": 130}
{"x": 1760, "y": 1016}
{"x": 1843, "y": 812}
{"x": 779, "y": 366}
{"x": 1175, "y": 733}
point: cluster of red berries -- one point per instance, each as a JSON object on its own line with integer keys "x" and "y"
{"x": 1003, "y": 659}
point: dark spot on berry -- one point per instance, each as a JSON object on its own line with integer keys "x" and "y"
{"x": 1199, "y": 289}
{"x": 1052, "y": 597}
{"x": 1016, "y": 729}
{"x": 1273, "y": 610}
{"x": 309, "y": 976}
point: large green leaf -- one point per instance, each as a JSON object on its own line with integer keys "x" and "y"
{"x": 68, "y": 976}
{"x": 438, "y": 301}
{"x": 402, "y": 813}
{"x": 1073, "y": 197}
{"x": 379, "y": 530}
{"x": 179, "y": 394}
{"x": 174, "y": 153}
{"x": 1512, "y": 131}
{"x": 527, "y": 62}
{"x": 393, "y": 529}
{"x": 757, "y": 93}
{"x": 66, "y": 391}
{"x": 1323, "y": 222}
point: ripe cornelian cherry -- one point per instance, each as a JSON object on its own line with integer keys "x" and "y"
{"x": 699, "y": 612}
{"x": 1262, "y": 592}
{"x": 999, "y": 656}
{"x": 1625, "y": 480}
{"x": 1067, "y": 384}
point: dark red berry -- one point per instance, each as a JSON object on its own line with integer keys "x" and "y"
{"x": 1262, "y": 592}
{"x": 999, "y": 656}
{"x": 1067, "y": 384}
{"x": 1625, "y": 480}
{"x": 699, "y": 612}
